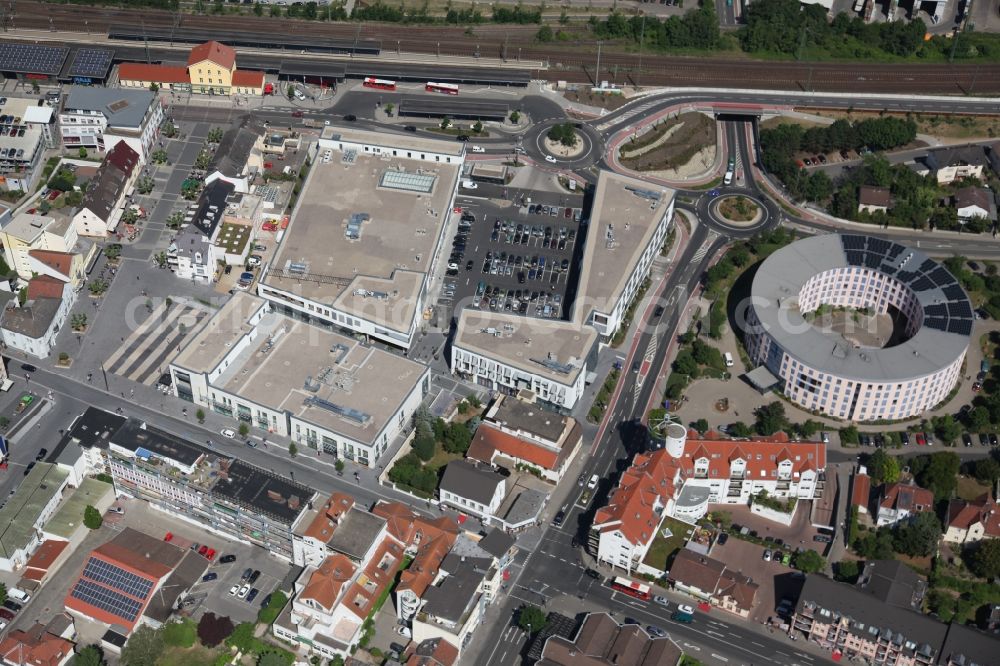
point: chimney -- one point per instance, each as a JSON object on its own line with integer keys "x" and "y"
{"x": 274, "y": 495}
{"x": 293, "y": 502}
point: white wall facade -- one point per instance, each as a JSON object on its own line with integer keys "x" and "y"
{"x": 41, "y": 347}
{"x": 500, "y": 376}
{"x": 467, "y": 505}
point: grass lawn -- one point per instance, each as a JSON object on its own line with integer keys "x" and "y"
{"x": 199, "y": 655}
{"x": 442, "y": 458}
{"x": 969, "y": 488}
{"x": 663, "y": 548}
{"x": 944, "y": 126}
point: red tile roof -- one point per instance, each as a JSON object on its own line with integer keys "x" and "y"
{"x": 60, "y": 262}
{"x": 906, "y": 497}
{"x": 45, "y": 286}
{"x": 247, "y": 78}
{"x": 330, "y": 514}
{"x": 861, "y": 491}
{"x": 433, "y": 652}
{"x": 422, "y": 571}
{"x": 412, "y": 529}
{"x": 34, "y": 648}
{"x": 963, "y": 514}
{"x": 631, "y": 505}
{"x": 762, "y": 455}
{"x": 129, "y": 559}
{"x": 43, "y": 558}
{"x": 377, "y": 576}
{"x": 139, "y": 71}
{"x": 326, "y": 582}
{"x": 220, "y": 54}
{"x": 489, "y": 438}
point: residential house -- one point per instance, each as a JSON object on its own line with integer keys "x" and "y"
{"x": 710, "y": 580}
{"x": 601, "y": 641}
{"x": 29, "y": 231}
{"x": 238, "y": 157}
{"x": 874, "y": 199}
{"x": 33, "y": 327}
{"x": 98, "y": 118}
{"x": 893, "y": 583}
{"x": 211, "y": 69}
{"x": 194, "y": 256}
{"x": 951, "y": 164}
{"x": 104, "y": 202}
{"x": 35, "y": 647}
{"x": 852, "y": 623}
{"x": 972, "y": 521}
{"x": 427, "y": 542}
{"x": 338, "y": 527}
{"x": 901, "y": 502}
{"x": 472, "y": 489}
{"x": 975, "y": 202}
{"x": 63, "y": 266}
{"x": 24, "y": 514}
{"x": 624, "y": 529}
{"x": 861, "y": 488}
{"x": 525, "y": 434}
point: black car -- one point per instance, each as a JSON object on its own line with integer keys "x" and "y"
{"x": 228, "y": 269}
{"x": 904, "y": 437}
{"x": 468, "y": 265}
{"x": 596, "y": 575}
{"x": 41, "y": 454}
{"x": 28, "y": 469}
{"x": 254, "y": 576}
{"x": 410, "y": 128}
{"x": 226, "y": 559}
{"x": 27, "y": 367}
{"x": 252, "y": 595}
{"x": 462, "y": 137}
{"x": 350, "y": 117}
{"x": 967, "y": 439}
{"x": 823, "y": 538}
{"x": 723, "y": 538}
{"x": 631, "y": 620}
{"x": 558, "y": 520}
{"x": 658, "y": 311}
{"x": 993, "y": 439}
{"x": 246, "y": 574}
{"x": 12, "y": 605}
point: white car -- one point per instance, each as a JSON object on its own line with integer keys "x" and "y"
{"x": 234, "y": 590}
{"x": 549, "y": 158}
{"x": 478, "y": 149}
{"x": 660, "y": 600}
{"x": 593, "y": 481}
{"x": 243, "y": 592}
{"x": 687, "y": 610}
{"x": 228, "y": 433}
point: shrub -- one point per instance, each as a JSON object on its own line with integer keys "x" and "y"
{"x": 180, "y": 634}
{"x": 92, "y": 517}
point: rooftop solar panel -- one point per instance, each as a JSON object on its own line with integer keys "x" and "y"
{"x": 928, "y": 265}
{"x": 906, "y": 276}
{"x": 853, "y": 242}
{"x": 91, "y": 63}
{"x": 878, "y": 245}
{"x": 888, "y": 269}
{"x": 960, "y": 326}
{"x": 106, "y": 599}
{"x": 960, "y": 309}
{"x": 125, "y": 581}
{"x": 954, "y": 292}
{"x": 941, "y": 276}
{"x": 922, "y": 283}
{"x": 873, "y": 260}
{"x": 894, "y": 250}
{"x": 937, "y": 323}
{"x": 855, "y": 258}
{"x": 32, "y": 58}
{"x": 936, "y": 310}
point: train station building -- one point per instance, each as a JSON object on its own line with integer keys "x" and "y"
{"x": 211, "y": 69}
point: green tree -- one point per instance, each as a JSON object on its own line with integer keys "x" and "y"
{"x": 180, "y": 634}
{"x": 339, "y": 465}
{"x": 144, "y": 647}
{"x": 258, "y": 9}
{"x": 445, "y": 123}
{"x": 215, "y": 135}
{"x": 882, "y": 467}
{"x": 82, "y": 153}
{"x": 846, "y": 571}
{"x": 423, "y": 446}
{"x": 987, "y": 470}
{"x": 242, "y": 637}
{"x": 701, "y": 425}
{"x": 984, "y": 559}
{"x": 979, "y": 418}
{"x": 78, "y": 321}
{"x": 273, "y": 658}
{"x": 515, "y": 116}
{"x": 159, "y": 156}
{"x": 771, "y": 418}
{"x": 563, "y": 134}
{"x": 89, "y": 655}
{"x": 849, "y": 435}
{"x": 531, "y": 618}
{"x": 200, "y": 415}
{"x": 544, "y": 34}
{"x": 154, "y": 87}
{"x": 3, "y": 593}
{"x": 457, "y": 438}
{"x": 477, "y": 127}
{"x": 919, "y": 536}
{"x": 939, "y": 474}
{"x": 92, "y": 517}
{"x": 244, "y": 429}
{"x": 740, "y": 429}
{"x": 808, "y": 561}
{"x": 946, "y": 428}
{"x": 685, "y": 364}
{"x": 293, "y": 450}
{"x": 874, "y": 545}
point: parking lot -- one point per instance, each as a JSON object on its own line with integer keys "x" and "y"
{"x": 517, "y": 258}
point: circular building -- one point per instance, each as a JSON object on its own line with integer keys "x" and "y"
{"x": 858, "y": 327}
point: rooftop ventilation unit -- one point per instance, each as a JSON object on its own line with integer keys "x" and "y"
{"x": 354, "y": 415}
{"x": 555, "y": 366}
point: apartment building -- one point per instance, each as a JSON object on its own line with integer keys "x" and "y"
{"x": 25, "y": 513}
{"x": 29, "y": 231}
{"x": 98, "y": 118}
{"x": 601, "y": 641}
{"x": 25, "y": 133}
{"x": 32, "y": 328}
{"x": 623, "y": 530}
{"x": 104, "y": 202}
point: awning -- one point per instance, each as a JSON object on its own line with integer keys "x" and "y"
{"x": 762, "y": 379}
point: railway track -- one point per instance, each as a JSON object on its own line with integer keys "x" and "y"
{"x": 573, "y": 62}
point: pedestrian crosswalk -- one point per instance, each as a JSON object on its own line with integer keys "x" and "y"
{"x": 700, "y": 254}
{"x": 144, "y": 354}
{"x": 628, "y": 115}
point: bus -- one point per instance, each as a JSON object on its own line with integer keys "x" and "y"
{"x": 446, "y": 88}
{"x": 381, "y": 84}
{"x": 631, "y": 588}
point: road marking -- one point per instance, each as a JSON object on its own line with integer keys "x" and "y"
{"x": 714, "y": 633}
{"x": 719, "y": 657}
{"x": 757, "y": 644}
{"x": 804, "y": 656}
{"x": 692, "y": 647}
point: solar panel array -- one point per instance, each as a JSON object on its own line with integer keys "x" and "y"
{"x": 107, "y": 600}
{"x": 108, "y": 574}
{"x": 32, "y": 58}
{"x": 952, "y": 314}
{"x": 91, "y": 63}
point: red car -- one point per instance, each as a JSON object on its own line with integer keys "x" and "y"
{"x": 203, "y": 550}
{"x": 168, "y": 536}
{"x": 296, "y": 114}
{"x": 210, "y": 555}
{"x": 921, "y": 440}
{"x": 54, "y": 194}
{"x": 6, "y": 614}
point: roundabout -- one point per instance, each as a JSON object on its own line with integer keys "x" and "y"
{"x": 736, "y": 212}
{"x": 588, "y": 150}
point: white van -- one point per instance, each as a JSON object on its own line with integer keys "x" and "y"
{"x": 298, "y": 94}
{"x": 469, "y": 185}
{"x": 478, "y": 149}
{"x": 19, "y": 596}
{"x": 728, "y": 179}
{"x": 729, "y": 359}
